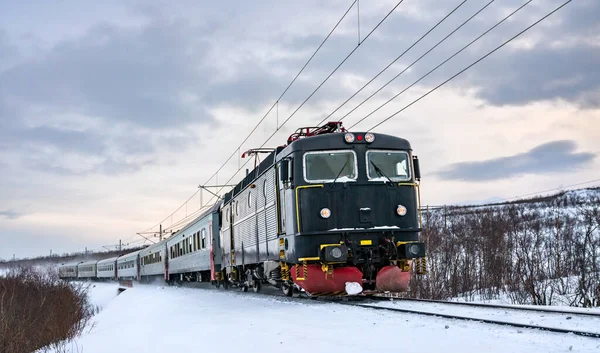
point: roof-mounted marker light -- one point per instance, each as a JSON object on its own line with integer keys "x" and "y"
{"x": 369, "y": 137}
{"x": 349, "y": 137}
{"x": 359, "y": 137}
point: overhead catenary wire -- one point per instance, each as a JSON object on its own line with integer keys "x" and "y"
{"x": 471, "y": 65}
{"x": 413, "y": 63}
{"x": 266, "y": 114}
{"x": 439, "y": 65}
{"x": 400, "y": 56}
{"x": 341, "y": 63}
{"x": 304, "y": 102}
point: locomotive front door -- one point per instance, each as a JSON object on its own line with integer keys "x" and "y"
{"x": 280, "y": 197}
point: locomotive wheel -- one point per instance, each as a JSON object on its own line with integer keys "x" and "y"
{"x": 218, "y": 284}
{"x": 257, "y": 286}
{"x": 288, "y": 290}
{"x": 225, "y": 284}
{"x": 244, "y": 288}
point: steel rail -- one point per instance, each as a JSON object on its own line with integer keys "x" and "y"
{"x": 467, "y": 318}
{"x": 493, "y": 306}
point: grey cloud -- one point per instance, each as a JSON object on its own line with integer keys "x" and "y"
{"x": 556, "y": 156}
{"x": 10, "y": 214}
{"x": 509, "y": 76}
{"x": 118, "y": 75}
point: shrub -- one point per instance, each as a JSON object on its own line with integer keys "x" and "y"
{"x": 39, "y": 311}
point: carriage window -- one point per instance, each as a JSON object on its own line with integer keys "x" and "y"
{"x": 388, "y": 164}
{"x": 327, "y": 165}
{"x": 203, "y": 235}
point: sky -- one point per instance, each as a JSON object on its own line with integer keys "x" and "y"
{"x": 112, "y": 113}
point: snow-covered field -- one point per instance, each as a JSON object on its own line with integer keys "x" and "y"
{"x": 151, "y": 318}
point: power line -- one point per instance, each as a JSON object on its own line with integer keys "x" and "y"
{"x": 438, "y": 66}
{"x": 302, "y": 104}
{"x": 266, "y": 114}
{"x": 558, "y": 188}
{"x": 398, "y": 58}
{"x": 284, "y": 92}
{"x": 472, "y": 64}
{"x": 341, "y": 63}
{"x": 413, "y": 63}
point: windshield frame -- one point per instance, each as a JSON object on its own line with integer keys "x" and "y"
{"x": 392, "y": 178}
{"x": 304, "y": 169}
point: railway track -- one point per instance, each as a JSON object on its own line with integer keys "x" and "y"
{"x": 435, "y": 308}
{"x": 552, "y": 310}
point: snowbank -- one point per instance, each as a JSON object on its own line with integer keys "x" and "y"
{"x": 166, "y": 319}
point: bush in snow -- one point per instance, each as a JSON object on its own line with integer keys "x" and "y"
{"x": 544, "y": 251}
{"x": 38, "y": 311}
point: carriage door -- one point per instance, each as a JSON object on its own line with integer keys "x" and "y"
{"x": 283, "y": 180}
{"x": 232, "y": 214}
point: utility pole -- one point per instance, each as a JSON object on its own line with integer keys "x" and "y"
{"x": 86, "y": 251}
{"x": 160, "y": 233}
{"x": 119, "y": 244}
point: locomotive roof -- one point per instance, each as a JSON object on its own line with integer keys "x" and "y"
{"x": 336, "y": 140}
{"x": 325, "y": 141}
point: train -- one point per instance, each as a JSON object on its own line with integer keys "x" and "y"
{"x": 327, "y": 211}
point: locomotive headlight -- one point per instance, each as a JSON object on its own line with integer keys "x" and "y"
{"x": 336, "y": 253}
{"x": 401, "y": 210}
{"x": 369, "y": 137}
{"x": 325, "y": 213}
{"x": 414, "y": 249}
{"x": 349, "y": 137}
{"x": 333, "y": 253}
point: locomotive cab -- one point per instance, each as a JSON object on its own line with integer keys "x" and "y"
{"x": 351, "y": 204}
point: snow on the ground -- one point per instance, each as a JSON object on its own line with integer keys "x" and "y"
{"x": 151, "y": 318}
{"x": 100, "y": 294}
{"x": 570, "y": 321}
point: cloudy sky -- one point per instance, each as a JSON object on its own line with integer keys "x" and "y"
{"x": 113, "y": 112}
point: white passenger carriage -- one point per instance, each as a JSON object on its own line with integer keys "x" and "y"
{"x": 128, "y": 266}
{"x": 68, "y": 271}
{"x": 87, "y": 270}
{"x": 107, "y": 269}
{"x": 192, "y": 250}
{"x": 153, "y": 260}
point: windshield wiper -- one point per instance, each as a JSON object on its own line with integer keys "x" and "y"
{"x": 341, "y": 170}
{"x": 380, "y": 172}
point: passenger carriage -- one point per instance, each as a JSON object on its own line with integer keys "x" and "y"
{"x": 128, "y": 266}
{"x": 107, "y": 269}
{"x": 153, "y": 261}
{"x": 191, "y": 251}
{"x": 87, "y": 270}
{"x": 68, "y": 271}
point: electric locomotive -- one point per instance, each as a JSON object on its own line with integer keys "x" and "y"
{"x": 328, "y": 209}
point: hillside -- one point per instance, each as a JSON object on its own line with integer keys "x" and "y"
{"x": 544, "y": 250}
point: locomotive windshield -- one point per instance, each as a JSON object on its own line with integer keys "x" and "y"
{"x": 327, "y": 166}
{"x": 388, "y": 164}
